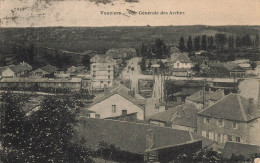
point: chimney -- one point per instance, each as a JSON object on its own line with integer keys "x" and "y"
{"x": 250, "y": 106}
{"x": 149, "y": 138}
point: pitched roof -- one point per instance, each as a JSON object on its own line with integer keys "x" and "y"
{"x": 183, "y": 115}
{"x": 102, "y": 59}
{"x": 130, "y": 136}
{"x": 246, "y": 150}
{"x": 122, "y": 91}
{"x": 231, "y": 107}
{"x": 208, "y": 95}
{"x": 19, "y": 68}
{"x": 183, "y": 58}
{"x": 49, "y": 68}
{"x": 121, "y": 52}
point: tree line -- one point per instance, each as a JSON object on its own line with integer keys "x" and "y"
{"x": 218, "y": 42}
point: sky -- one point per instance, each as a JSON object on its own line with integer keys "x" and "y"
{"x": 44, "y": 13}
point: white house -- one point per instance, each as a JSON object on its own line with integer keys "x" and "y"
{"x": 118, "y": 101}
{"x": 180, "y": 64}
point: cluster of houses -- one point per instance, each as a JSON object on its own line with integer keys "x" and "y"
{"x": 212, "y": 119}
{"x": 101, "y": 76}
{"x": 179, "y": 64}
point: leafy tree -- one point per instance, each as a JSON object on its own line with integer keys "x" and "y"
{"x": 149, "y": 65}
{"x": 182, "y": 44}
{"x": 211, "y": 42}
{"x": 159, "y": 48}
{"x": 231, "y": 42}
{"x": 12, "y": 127}
{"x": 142, "y": 64}
{"x": 189, "y": 44}
{"x": 204, "y": 42}
{"x": 238, "y": 41}
{"x": 197, "y": 43}
{"x": 257, "y": 40}
{"x": 86, "y": 61}
{"x": 196, "y": 68}
{"x": 221, "y": 40}
{"x": 246, "y": 40}
{"x": 253, "y": 65}
{"x": 46, "y": 135}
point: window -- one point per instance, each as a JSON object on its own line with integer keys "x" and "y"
{"x": 206, "y": 120}
{"x": 178, "y": 64}
{"x": 234, "y": 125}
{"x": 97, "y": 115}
{"x": 220, "y": 123}
{"x": 88, "y": 115}
{"x": 94, "y": 75}
{"x": 237, "y": 139}
{"x": 94, "y": 72}
{"x": 113, "y": 108}
{"x": 229, "y": 138}
{"x": 108, "y": 71}
{"x": 124, "y": 112}
{"x": 108, "y": 66}
{"x": 204, "y": 133}
{"x": 101, "y": 81}
{"x": 207, "y": 134}
{"x": 94, "y": 66}
{"x": 108, "y": 76}
{"x": 108, "y": 82}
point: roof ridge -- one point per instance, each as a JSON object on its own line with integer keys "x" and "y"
{"x": 215, "y": 103}
{"x": 241, "y": 107}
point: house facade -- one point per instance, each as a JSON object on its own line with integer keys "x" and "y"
{"x": 102, "y": 72}
{"x": 16, "y": 70}
{"x": 233, "y": 118}
{"x": 180, "y": 64}
{"x": 117, "y": 102}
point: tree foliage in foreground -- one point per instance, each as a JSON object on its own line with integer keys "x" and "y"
{"x": 46, "y": 135}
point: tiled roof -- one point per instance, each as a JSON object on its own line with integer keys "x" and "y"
{"x": 19, "y": 68}
{"x": 122, "y": 91}
{"x": 246, "y": 150}
{"x": 130, "y": 136}
{"x": 49, "y": 68}
{"x": 183, "y": 115}
{"x": 231, "y": 107}
{"x": 208, "y": 95}
{"x": 183, "y": 58}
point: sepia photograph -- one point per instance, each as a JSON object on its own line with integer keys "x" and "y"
{"x": 129, "y": 81}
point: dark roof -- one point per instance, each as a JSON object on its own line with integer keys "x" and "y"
{"x": 121, "y": 52}
{"x": 49, "y": 68}
{"x": 208, "y": 95}
{"x": 130, "y": 136}
{"x": 183, "y": 58}
{"x": 122, "y": 91}
{"x": 183, "y": 115}
{"x": 232, "y": 107}
{"x": 246, "y": 150}
{"x": 20, "y": 68}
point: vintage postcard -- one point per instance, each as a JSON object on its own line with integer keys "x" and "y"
{"x": 129, "y": 81}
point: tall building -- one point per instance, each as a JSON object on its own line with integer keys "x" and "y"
{"x": 102, "y": 72}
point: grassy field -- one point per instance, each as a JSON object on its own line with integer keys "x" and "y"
{"x": 79, "y": 39}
